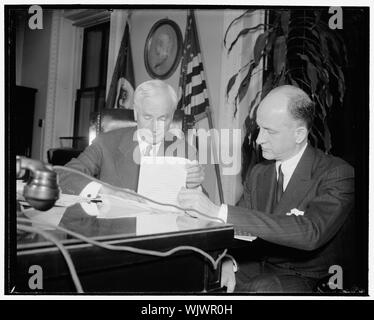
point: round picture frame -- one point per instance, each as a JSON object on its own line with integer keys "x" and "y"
{"x": 163, "y": 49}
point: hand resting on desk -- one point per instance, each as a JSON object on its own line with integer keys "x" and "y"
{"x": 196, "y": 199}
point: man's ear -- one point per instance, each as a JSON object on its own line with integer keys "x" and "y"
{"x": 301, "y": 133}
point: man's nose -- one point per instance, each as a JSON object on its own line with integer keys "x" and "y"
{"x": 260, "y": 138}
{"x": 154, "y": 125}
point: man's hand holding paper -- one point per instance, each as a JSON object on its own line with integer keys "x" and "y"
{"x": 195, "y": 174}
{"x": 161, "y": 178}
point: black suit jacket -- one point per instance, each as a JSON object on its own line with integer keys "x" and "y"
{"x": 114, "y": 157}
{"x": 322, "y": 187}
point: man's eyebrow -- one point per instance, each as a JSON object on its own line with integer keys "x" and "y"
{"x": 151, "y": 115}
{"x": 268, "y": 128}
{"x": 260, "y": 126}
{"x": 163, "y": 116}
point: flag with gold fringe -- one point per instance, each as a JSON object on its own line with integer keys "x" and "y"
{"x": 121, "y": 89}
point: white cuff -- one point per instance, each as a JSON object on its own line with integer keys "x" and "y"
{"x": 91, "y": 190}
{"x": 234, "y": 263}
{"x": 222, "y": 213}
{"x": 245, "y": 238}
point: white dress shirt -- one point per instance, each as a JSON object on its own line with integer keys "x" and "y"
{"x": 288, "y": 168}
{"x": 143, "y": 146}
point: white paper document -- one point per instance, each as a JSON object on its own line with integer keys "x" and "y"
{"x": 161, "y": 178}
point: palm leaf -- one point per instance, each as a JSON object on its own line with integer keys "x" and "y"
{"x": 251, "y": 109}
{"x": 231, "y": 83}
{"x": 285, "y": 21}
{"x": 259, "y": 46}
{"x": 268, "y": 85}
{"x": 327, "y": 137}
{"x": 244, "y": 32}
{"x": 312, "y": 74}
{"x": 234, "y": 77}
{"x": 280, "y": 52}
{"x": 271, "y": 39}
{"x": 233, "y": 22}
{"x": 243, "y": 87}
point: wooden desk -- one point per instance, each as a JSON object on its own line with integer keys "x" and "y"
{"x": 105, "y": 271}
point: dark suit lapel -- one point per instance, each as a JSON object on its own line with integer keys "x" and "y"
{"x": 127, "y": 161}
{"x": 299, "y": 183}
{"x": 265, "y": 188}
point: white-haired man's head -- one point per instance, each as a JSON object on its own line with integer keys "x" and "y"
{"x": 154, "y": 104}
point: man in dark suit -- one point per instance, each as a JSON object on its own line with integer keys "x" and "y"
{"x": 114, "y": 157}
{"x": 298, "y": 203}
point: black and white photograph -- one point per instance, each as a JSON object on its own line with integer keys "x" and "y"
{"x": 187, "y": 150}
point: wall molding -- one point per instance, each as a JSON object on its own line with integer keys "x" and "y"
{"x": 87, "y": 17}
{"x": 65, "y": 71}
{"x": 51, "y": 89}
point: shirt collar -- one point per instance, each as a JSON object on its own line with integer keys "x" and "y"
{"x": 143, "y": 145}
{"x": 289, "y": 165}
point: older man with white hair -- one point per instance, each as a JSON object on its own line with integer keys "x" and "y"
{"x": 114, "y": 156}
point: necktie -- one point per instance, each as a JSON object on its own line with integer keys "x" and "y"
{"x": 147, "y": 151}
{"x": 279, "y": 189}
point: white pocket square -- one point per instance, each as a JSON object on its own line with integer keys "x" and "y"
{"x": 295, "y": 212}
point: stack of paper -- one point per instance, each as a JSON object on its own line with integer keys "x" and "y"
{"x": 161, "y": 179}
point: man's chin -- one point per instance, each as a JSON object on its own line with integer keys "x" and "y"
{"x": 154, "y": 140}
{"x": 267, "y": 155}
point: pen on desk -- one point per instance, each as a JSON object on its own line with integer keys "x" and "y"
{"x": 95, "y": 200}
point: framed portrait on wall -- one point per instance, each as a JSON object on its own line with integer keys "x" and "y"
{"x": 163, "y": 49}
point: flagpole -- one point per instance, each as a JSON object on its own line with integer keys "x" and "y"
{"x": 194, "y": 96}
{"x": 216, "y": 163}
{"x": 208, "y": 114}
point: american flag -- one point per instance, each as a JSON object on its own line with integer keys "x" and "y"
{"x": 193, "y": 95}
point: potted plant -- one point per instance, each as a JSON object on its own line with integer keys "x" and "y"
{"x": 296, "y": 47}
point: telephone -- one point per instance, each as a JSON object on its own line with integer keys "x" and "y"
{"x": 41, "y": 190}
